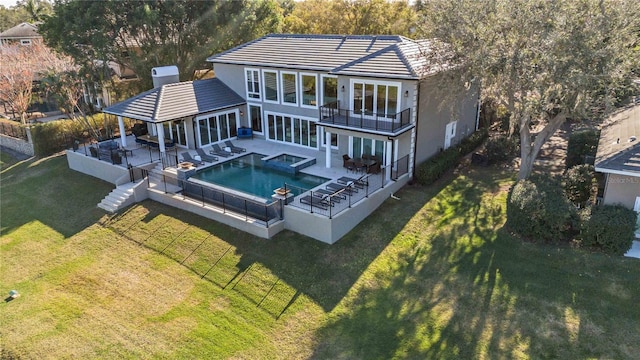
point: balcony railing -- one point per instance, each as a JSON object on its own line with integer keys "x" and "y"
{"x": 331, "y": 113}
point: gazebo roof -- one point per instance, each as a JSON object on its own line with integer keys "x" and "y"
{"x": 173, "y": 101}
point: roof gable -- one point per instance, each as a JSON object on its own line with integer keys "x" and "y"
{"x": 21, "y": 31}
{"x": 177, "y": 100}
{"x": 619, "y": 143}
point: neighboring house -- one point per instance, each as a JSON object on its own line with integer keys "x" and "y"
{"x": 23, "y": 34}
{"x": 618, "y": 157}
{"x": 327, "y": 95}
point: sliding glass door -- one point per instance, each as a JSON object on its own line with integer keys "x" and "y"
{"x": 216, "y": 127}
{"x": 379, "y": 99}
{"x": 292, "y": 130}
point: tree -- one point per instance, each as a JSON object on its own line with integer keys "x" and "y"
{"x": 37, "y": 9}
{"x": 12, "y": 16}
{"x": 354, "y": 17}
{"x": 545, "y": 61}
{"x": 143, "y": 34}
{"x": 20, "y": 68}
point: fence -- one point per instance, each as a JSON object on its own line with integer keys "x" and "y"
{"x": 337, "y": 197}
{"x": 228, "y": 202}
{"x": 14, "y": 130}
{"x": 400, "y": 167}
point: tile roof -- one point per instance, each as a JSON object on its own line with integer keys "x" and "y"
{"x": 388, "y": 56}
{"x": 619, "y": 144}
{"x": 173, "y": 101}
{"x": 21, "y": 31}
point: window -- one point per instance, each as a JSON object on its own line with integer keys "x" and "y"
{"x": 289, "y": 88}
{"x": 329, "y": 89}
{"x": 252, "y": 77}
{"x": 378, "y": 99}
{"x": 334, "y": 139}
{"x": 25, "y": 42}
{"x": 255, "y": 116}
{"x": 364, "y": 146}
{"x": 292, "y": 130}
{"x": 217, "y": 127}
{"x": 309, "y": 92}
{"x": 270, "y": 86}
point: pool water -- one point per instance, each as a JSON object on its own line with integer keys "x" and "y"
{"x": 246, "y": 174}
{"x": 286, "y": 158}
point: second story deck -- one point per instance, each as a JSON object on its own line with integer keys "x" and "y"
{"x": 395, "y": 124}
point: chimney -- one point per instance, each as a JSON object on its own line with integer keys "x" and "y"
{"x": 163, "y": 75}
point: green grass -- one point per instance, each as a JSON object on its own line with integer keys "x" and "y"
{"x": 433, "y": 275}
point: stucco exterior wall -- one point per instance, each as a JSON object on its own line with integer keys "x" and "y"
{"x": 621, "y": 189}
{"x": 96, "y": 168}
{"x": 433, "y": 117}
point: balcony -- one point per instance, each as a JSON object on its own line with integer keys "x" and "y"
{"x": 386, "y": 124}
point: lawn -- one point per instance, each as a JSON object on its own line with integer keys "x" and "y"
{"x": 433, "y": 275}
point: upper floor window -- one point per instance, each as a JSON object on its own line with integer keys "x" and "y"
{"x": 253, "y": 83}
{"x": 25, "y": 41}
{"x": 375, "y": 98}
{"x": 270, "y": 86}
{"x": 309, "y": 90}
{"x": 329, "y": 89}
{"x": 289, "y": 88}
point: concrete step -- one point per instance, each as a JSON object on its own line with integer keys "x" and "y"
{"x": 118, "y": 198}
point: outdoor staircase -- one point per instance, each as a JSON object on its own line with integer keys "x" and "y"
{"x": 120, "y": 197}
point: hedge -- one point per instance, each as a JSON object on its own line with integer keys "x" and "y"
{"x": 581, "y": 147}
{"x": 610, "y": 228}
{"x": 500, "y": 148}
{"x": 578, "y": 183}
{"x": 537, "y": 209}
{"x": 432, "y": 169}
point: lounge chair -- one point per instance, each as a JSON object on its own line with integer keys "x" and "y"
{"x": 234, "y": 148}
{"x": 360, "y": 182}
{"x": 315, "y": 202}
{"x": 218, "y": 151}
{"x": 337, "y": 187}
{"x": 204, "y": 156}
{"x": 334, "y": 196}
{"x": 187, "y": 157}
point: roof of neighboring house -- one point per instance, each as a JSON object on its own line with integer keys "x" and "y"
{"x": 21, "y": 31}
{"x": 385, "y": 56}
{"x": 619, "y": 144}
{"x": 177, "y": 100}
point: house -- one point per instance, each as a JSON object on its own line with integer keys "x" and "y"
{"x": 324, "y": 97}
{"x": 618, "y": 157}
{"x": 23, "y": 34}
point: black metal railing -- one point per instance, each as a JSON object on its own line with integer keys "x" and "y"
{"x": 137, "y": 173}
{"x": 400, "y": 167}
{"x": 335, "y": 202}
{"x": 228, "y": 202}
{"x": 332, "y": 114}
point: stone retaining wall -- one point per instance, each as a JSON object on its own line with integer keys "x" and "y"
{"x": 18, "y": 145}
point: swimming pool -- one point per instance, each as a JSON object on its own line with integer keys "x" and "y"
{"x": 246, "y": 174}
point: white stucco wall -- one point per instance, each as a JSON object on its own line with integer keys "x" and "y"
{"x": 621, "y": 189}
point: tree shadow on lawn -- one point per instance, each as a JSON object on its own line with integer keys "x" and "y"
{"x": 324, "y": 273}
{"x": 468, "y": 289}
{"x": 47, "y": 191}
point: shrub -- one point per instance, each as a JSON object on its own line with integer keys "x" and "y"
{"x": 432, "y": 169}
{"x": 578, "y": 183}
{"x": 538, "y": 209}
{"x": 471, "y": 142}
{"x": 581, "y": 147}
{"x": 610, "y": 228}
{"x": 500, "y": 148}
{"x": 50, "y": 137}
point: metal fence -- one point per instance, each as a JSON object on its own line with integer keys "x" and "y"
{"x": 400, "y": 167}
{"x": 13, "y": 130}
{"x": 335, "y": 199}
{"x": 224, "y": 200}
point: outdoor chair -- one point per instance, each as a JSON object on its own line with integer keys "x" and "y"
{"x": 337, "y": 187}
{"x": 234, "y": 149}
{"x": 218, "y": 151}
{"x": 360, "y": 182}
{"x": 206, "y": 157}
{"x": 315, "y": 202}
{"x": 187, "y": 157}
{"x": 334, "y": 196}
